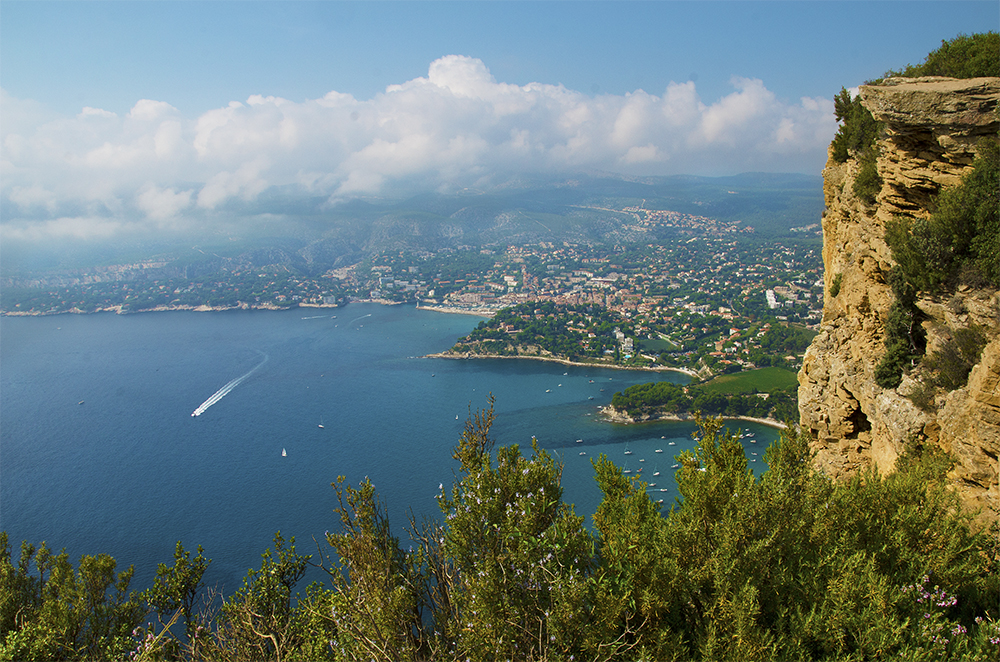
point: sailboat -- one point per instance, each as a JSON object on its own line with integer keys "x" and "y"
{"x": 283, "y": 453}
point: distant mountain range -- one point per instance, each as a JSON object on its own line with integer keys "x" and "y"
{"x": 584, "y": 209}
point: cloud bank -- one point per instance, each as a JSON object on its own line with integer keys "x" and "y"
{"x": 98, "y": 173}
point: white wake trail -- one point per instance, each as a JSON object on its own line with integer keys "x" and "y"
{"x": 224, "y": 391}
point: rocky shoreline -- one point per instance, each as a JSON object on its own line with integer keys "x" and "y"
{"x": 555, "y": 359}
{"x": 478, "y": 312}
{"x": 612, "y": 415}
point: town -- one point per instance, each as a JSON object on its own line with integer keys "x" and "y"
{"x": 714, "y": 300}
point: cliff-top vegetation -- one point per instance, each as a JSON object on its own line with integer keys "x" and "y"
{"x": 964, "y": 56}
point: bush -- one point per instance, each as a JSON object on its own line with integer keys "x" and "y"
{"x": 858, "y": 130}
{"x": 963, "y": 57}
{"x": 868, "y": 182}
{"x": 835, "y": 284}
{"x": 785, "y": 565}
{"x": 960, "y": 242}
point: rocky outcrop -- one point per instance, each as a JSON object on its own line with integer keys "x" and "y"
{"x": 932, "y": 129}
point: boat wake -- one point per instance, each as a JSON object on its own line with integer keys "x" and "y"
{"x": 224, "y": 391}
{"x": 359, "y": 318}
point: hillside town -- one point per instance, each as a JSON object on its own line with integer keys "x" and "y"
{"x": 701, "y": 301}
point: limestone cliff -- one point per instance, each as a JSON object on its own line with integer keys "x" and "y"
{"x": 932, "y": 128}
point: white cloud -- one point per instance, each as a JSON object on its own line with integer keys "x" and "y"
{"x": 244, "y": 183}
{"x": 160, "y": 203}
{"x": 455, "y": 127}
{"x": 80, "y": 227}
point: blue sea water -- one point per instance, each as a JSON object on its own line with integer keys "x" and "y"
{"x": 99, "y": 451}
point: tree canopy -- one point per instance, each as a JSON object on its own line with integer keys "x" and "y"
{"x": 785, "y": 565}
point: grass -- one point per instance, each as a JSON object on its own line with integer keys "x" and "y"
{"x": 656, "y": 345}
{"x": 762, "y": 380}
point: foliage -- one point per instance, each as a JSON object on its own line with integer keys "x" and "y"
{"x": 960, "y": 241}
{"x": 787, "y": 565}
{"x": 857, "y": 138}
{"x": 858, "y": 129}
{"x": 964, "y": 56}
{"x": 835, "y": 284}
{"x": 951, "y": 363}
{"x": 729, "y": 395}
{"x": 560, "y": 330}
{"x": 258, "y": 621}
{"x": 867, "y": 183}
{"x": 56, "y": 613}
{"x": 376, "y": 599}
{"x": 174, "y": 589}
{"x": 519, "y": 554}
{"x": 904, "y": 338}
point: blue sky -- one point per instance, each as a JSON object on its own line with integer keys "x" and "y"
{"x": 137, "y": 115}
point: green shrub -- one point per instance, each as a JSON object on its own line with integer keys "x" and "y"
{"x": 858, "y": 130}
{"x": 922, "y": 395}
{"x": 964, "y": 56}
{"x": 867, "y": 183}
{"x": 949, "y": 366}
{"x": 960, "y": 242}
{"x": 904, "y": 337}
{"x": 835, "y": 284}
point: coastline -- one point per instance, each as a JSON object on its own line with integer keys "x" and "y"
{"x": 553, "y": 359}
{"x": 610, "y": 414}
{"x": 478, "y": 312}
{"x": 201, "y": 308}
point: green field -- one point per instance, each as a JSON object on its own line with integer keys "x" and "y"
{"x": 656, "y": 345}
{"x": 763, "y": 380}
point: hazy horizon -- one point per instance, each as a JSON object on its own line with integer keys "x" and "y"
{"x": 125, "y": 120}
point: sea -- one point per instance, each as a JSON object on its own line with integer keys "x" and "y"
{"x": 100, "y": 451}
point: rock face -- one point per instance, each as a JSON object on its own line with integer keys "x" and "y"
{"x": 932, "y": 128}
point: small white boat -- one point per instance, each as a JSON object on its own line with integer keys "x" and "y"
{"x": 652, "y": 484}
{"x": 659, "y": 450}
{"x": 579, "y": 441}
{"x": 656, "y": 473}
{"x": 583, "y": 453}
{"x": 283, "y": 453}
{"x": 672, "y": 443}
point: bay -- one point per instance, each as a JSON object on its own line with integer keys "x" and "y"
{"x": 100, "y": 453}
